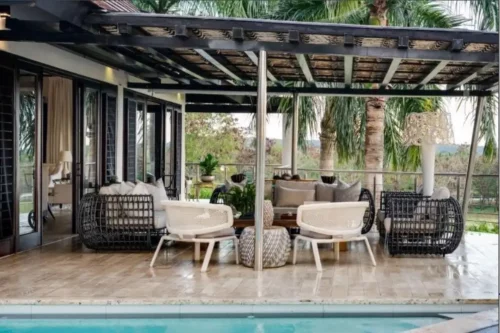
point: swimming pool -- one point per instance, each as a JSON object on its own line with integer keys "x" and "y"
{"x": 236, "y": 325}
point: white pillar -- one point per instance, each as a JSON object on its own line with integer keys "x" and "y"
{"x": 295, "y": 132}
{"x": 182, "y": 195}
{"x": 428, "y": 157}
{"x": 260, "y": 173}
{"x": 286, "y": 154}
{"x": 119, "y": 133}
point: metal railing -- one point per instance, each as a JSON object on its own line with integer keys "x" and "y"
{"x": 483, "y": 204}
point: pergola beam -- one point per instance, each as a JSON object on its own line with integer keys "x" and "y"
{"x": 208, "y": 44}
{"x": 471, "y": 77}
{"x": 304, "y": 91}
{"x": 217, "y": 64}
{"x": 393, "y": 68}
{"x": 435, "y": 71}
{"x": 249, "y": 25}
{"x": 305, "y": 67}
{"x": 223, "y": 108}
{"x": 472, "y": 155}
{"x": 253, "y": 57}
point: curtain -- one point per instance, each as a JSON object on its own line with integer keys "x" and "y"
{"x": 59, "y": 94}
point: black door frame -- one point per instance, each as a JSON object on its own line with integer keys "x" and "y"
{"x": 33, "y": 239}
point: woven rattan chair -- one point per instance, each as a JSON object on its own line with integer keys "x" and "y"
{"x": 327, "y": 223}
{"x": 423, "y": 226}
{"x": 119, "y": 222}
{"x": 385, "y": 206}
{"x": 198, "y": 223}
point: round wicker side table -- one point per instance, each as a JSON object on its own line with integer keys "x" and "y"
{"x": 277, "y": 247}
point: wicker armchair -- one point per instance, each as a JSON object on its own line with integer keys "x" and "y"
{"x": 365, "y": 195}
{"x": 422, "y": 226}
{"x": 119, "y": 222}
{"x": 385, "y": 206}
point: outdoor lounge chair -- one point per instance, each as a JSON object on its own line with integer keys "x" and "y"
{"x": 385, "y": 206}
{"x": 423, "y": 226}
{"x": 326, "y": 223}
{"x": 198, "y": 223}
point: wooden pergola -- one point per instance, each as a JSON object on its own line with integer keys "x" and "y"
{"x": 240, "y": 62}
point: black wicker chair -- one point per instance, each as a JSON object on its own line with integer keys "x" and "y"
{"x": 423, "y": 226}
{"x": 385, "y": 206}
{"x": 365, "y": 195}
{"x": 118, "y": 222}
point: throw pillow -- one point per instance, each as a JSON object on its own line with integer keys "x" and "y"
{"x": 348, "y": 194}
{"x": 137, "y": 208}
{"x": 342, "y": 185}
{"x": 325, "y": 192}
{"x": 294, "y": 198}
{"x": 112, "y": 206}
{"x": 441, "y": 193}
{"x": 158, "y": 192}
{"x": 229, "y": 184}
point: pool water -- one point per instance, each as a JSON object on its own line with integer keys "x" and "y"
{"x": 235, "y": 325}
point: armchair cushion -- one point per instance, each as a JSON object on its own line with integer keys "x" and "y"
{"x": 325, "y": 192}
{"x": 312, "y": 234}
{"x": 294, "y": 185}
{"x": 293, "y": 198}
{"x": 216, "y": 234}
{"x": 348, "y": 194}
{"x": 411, "y": 225}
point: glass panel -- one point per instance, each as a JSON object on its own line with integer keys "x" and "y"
{"x": 26, "y": 167}
{"x": 110, "y": 138}
{"x": 150, "y": 145}
{"x": 139, "y": 167}
{"x": 90, "y": 106}
{"x": 168, "y": 150}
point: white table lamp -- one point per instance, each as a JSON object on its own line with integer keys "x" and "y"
{"x": 66, "y": 158}
{"x": 427, "y": 129}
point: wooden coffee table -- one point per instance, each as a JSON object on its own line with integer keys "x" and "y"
{"x": 280, "y": 222}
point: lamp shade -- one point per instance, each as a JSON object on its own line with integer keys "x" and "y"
{"x": 427, "y": 128}
{"x": 65, "y": 156}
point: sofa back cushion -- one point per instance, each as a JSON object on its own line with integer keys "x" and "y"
{"x": 325, "y": 192}
{"x": 348, "y": 194}
{"x": 293, "y": 198}
{"x": 293, "y": 185}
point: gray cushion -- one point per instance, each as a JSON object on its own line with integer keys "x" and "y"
{"x": 293, "y": 198}
{"x": 411, "y": 225}
{"x": 325, "y": 192}
{"x": 341, "y": 185}
{"x": 295, "y": 185}
{"x": 312, "y": 234}
{"x": 160, "y": 219}
{"x": 216, "y": 234}
{"x": 348, "y": 194}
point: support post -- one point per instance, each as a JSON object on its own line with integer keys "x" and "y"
{"x": 428, "y": 154}
{"x": 295, "y": 131}
{"x": 260, "y": 159}
{"x": 286, "y": 155}
{"x": 472, "y": 156}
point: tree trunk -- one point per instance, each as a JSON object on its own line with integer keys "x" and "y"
{"x": 375, "y": 110}
{"x": 326, "y": 138}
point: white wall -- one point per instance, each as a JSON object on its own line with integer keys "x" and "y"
{"x": 82, "y": 66}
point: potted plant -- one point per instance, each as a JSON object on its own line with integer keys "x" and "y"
{"x": 208, "y": 166}
{"x": 242, "y": 199}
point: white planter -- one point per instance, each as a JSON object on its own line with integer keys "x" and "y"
{"x": 207, "y": 179}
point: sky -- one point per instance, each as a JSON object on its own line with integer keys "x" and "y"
{"x": 460, "y": 113}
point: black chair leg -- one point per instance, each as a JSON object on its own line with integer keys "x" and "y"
{"x": 50, "y": 212}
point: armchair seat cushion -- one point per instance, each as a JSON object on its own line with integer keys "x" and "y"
{"x": 216, "y": 234}
{"x": 312, "y": 234}
{"x": 411, "y": 225}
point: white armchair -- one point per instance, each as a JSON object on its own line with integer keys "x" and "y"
{"x": 198, "y": 223}
{"x": 331, "y": 223}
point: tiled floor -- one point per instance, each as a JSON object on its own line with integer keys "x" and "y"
{"x": 66, "y": 272}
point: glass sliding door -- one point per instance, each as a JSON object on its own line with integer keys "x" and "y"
{"x": 150, "y": 145}
{"x": 139, "y": 142}
{"x": 90, "y": 130}
{"x": 28, "y": 157}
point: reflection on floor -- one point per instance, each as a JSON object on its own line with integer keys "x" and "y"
{"x": 68, "y": 272}
{"x": 60, "y": 228}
